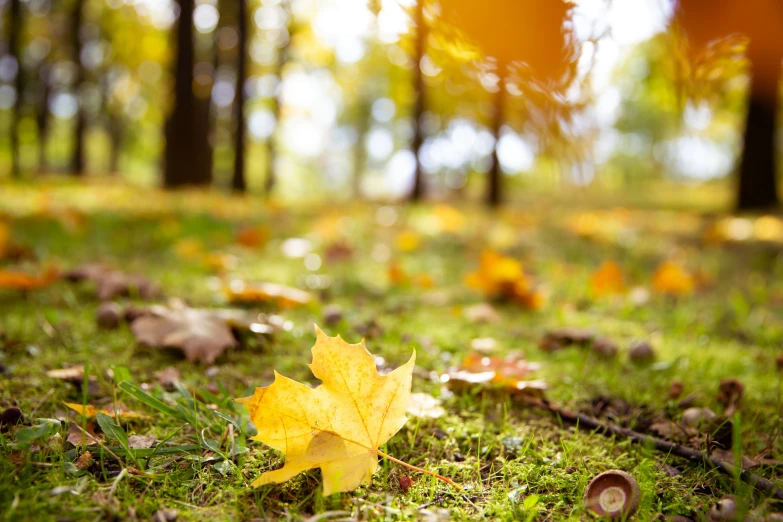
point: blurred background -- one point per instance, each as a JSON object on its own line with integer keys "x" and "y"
{"x": 394, "y": 99}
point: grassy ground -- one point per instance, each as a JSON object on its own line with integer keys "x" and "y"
{"x": 515, "y": 462}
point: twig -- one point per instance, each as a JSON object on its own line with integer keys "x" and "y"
{"x": 588, "y": 423}
{"x": 416, "y": 468}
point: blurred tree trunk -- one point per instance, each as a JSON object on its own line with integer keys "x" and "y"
{"x": 282, "y": 60}
{"x": 186, "y": 135}
{"x": 757, "y": 183}
{"x": 77, "y": 153}
{"x": 239, "y": 182}
{"x": 495, "y": 174}
{"x": 42, "y": 114}
{"x": 419, "y": 104}
{"x": 15, "y": 50}
{"x": 360, "y": 151}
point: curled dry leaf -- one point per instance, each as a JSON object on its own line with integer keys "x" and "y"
{"x": 280, "y": 295}
{"x": 336, "y": 426}
{"x": 202, "y": 334}
{"x": 110, "y": 283}
{"x": 84, "y": 461}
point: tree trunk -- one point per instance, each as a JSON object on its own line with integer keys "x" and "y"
{"x": 757, "y": 182}
{"x": 42, "y": 115}
{"x": 419, "y": 188}
{"x": 238, "y": 182}
{"x": 15, "y": 49}
{"x": 185, "y": 155}
{"x": 77, "y": 154}
{"x": 271, "y": 149}
{"x": 495, "y": 174}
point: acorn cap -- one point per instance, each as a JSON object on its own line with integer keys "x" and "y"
{"x": 613, "y": 494}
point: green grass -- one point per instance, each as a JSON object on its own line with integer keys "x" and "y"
{"x": 515, "y": 462}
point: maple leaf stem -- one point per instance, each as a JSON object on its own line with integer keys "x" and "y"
{"x": 416, "y": 468}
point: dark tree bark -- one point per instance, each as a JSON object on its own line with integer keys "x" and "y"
{"x": 360, "y": 151}
{"x": 239, "y": 182}
{"x": 757, "y": 183}
{"x": 271, "y": 149}
{"x": 15, "y": 50}
{"x": 42, "y": 115}
{"x": 495, "y": 174}
{"x": 419, "y": 187}
{"x": 186, "y": 137}
{"x": 77, "y": 153}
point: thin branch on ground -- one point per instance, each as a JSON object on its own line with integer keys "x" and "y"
{"x": 594, "y": 425}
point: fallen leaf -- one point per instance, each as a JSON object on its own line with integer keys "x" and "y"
{"x": 336, "y": 426}
{"x": 110, "y": 283}
{"x": 425, "y": 406}
{"x": 202, "y": 334}
{"x": 481, "y": 313}
{"x": 283, "y": 296}
{"x": 22, "y": 281}
{"x": 672, "y": 279}
{"x": 168, "y": 377}
{"x": 500, "y": 277}
{"x": 408, "y": 241}
{"x": 141, "y": 441}
{"x": 90, "y": 411}
{"x": 77, "y": 437}
{"x": 507, "y": 372}
{"x": 252, "y": 237}
{"x": 608, "y": 279}
{"x": 75, "y": 376}
{"x": 84, "y": 461}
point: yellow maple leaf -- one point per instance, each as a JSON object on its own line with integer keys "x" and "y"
{"x": 338, "y": 425}
{"x": 89, "y": 411}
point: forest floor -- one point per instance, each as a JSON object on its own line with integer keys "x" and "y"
{"x": 397, "y": 276}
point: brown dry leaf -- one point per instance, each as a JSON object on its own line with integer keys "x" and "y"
{"x": 336, "y": 426}
{"x": 202, "y": 334}
{"x": 283, "y": 296}
{"x": 91, "y": 411}
{"x": 22, "y": 281}
{"x": 78, "y": 438}
{"x": 608, "y": 279}
{"x": 84, "y": 461}
{"x": 75, "y": 376}
{"x": 141, "y": 441}
{"x": 110, "y": 283}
